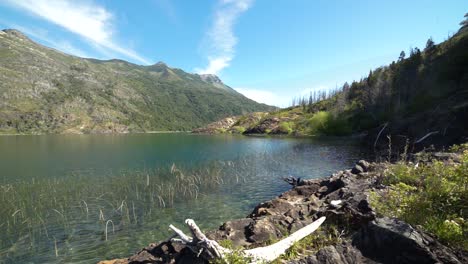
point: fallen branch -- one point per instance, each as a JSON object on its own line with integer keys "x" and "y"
{"x": 378, "y": 135}
{"x": 201, "y": 244}
{"x": 426, "y": 136}
{"x": 272, "y": 252}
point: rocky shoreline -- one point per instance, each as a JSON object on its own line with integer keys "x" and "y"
{"x": 344, "y": 199}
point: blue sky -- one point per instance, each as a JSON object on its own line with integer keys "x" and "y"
{"x": 269, "y": 50}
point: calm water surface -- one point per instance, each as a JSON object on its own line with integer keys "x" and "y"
{"x": 59, "y": 193}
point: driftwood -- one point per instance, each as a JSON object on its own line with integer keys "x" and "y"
{"x": 200, "y": 244}
{"x": 380, "y": 132}
{"x": 426, "y": 136}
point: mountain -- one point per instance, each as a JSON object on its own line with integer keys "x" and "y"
{"x": 43, "y": 90}
{"x": 421, "y": 98}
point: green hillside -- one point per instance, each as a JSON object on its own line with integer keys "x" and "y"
{"x": 425, "y": 92}
{"x": 43, "y": 90}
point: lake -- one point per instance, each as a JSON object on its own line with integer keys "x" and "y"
{"x": 85, "y": 198}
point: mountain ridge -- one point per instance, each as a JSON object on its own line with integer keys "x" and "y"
{"x": 420, "y": 99}
{"x": 44, "y": 90}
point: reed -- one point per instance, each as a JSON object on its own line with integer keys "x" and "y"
{"x": 86, "y": 203}
{"x": 53, "y": 209}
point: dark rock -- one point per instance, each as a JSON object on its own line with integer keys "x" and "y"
{"x": 357, "y": 169}
{"x": 143, "y": 257}
{"x": 233, "y": 230}
{"x": 364, "y": 164}
{"x": 344, "y": 200}
{"x": 388, "y": 240}
{"x": 338, "y": 254}
{"x": 447, "y": 156}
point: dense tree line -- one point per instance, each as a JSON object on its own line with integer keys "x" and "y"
{"x": 436, "y": 77}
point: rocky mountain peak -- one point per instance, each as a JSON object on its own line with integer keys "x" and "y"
{"x": 210, "y": 78}
{"x": 15, "y": 33}
{"x": 160, "y": 63}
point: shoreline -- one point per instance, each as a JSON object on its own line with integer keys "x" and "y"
{"x": 352, "y": 233}
{"x": 126, "y": 133}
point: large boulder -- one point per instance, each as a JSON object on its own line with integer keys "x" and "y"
{"x": 389, "y": 240}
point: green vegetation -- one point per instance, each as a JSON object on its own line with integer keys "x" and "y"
{"x": 428, "y": 83}
{"x": 434, "y": 78}
{"x": 285, "y": 127}
{"x": 326, "y": 235}
{"x": 41, "y": 209}
{"x": 234, "y": 257}
{"x": 430, "y": 194}
{"x": 45, "y": 91}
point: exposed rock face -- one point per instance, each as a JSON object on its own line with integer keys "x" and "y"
{"x": 233, "y": 124}
{"x": 343, "y": 199}
{"x": 219, "y": 126}
{"x": 388, "y": 240}
{"x": 341, "y": 253}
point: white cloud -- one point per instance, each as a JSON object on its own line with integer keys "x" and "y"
{"x": 221, "y": 36}
{"x": 265, "y": 97}
{"x": 84, "y": 18}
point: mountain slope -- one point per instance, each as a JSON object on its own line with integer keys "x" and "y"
{"x": 422, "y": 98}
{"x": 43, "y": 90}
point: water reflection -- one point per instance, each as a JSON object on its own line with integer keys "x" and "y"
{"x": 58, "y": 192}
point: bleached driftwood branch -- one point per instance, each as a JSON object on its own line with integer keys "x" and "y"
{"x": 272, "y": 252}
{"x": 426, "y": 136}
{"x": 378, "y": 135}
{"x": 200, "y": 243}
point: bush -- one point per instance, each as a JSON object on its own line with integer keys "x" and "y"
{"x": 285, "y": 127}
{"x": 432, "y": 195}
{"x": 324, "y": 122}
{"x": 239, "y": 129}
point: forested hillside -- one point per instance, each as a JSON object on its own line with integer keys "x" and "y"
{"x": 43, "y": 90}
{"x": 424, "y": 92}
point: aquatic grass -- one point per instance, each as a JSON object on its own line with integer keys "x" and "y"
{"x": 39, "y": 209}
{"x": 77, "y": 207}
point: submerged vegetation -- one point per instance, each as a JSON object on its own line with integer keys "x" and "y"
{"x": 90, "y": 215}
{"x": 53, "y": 209}
{"x": 432, "y": 194}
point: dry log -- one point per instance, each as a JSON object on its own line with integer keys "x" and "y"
{"x": 200, "y": 243}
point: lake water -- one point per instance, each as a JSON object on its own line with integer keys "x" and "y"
{"x": 84, "y": 198}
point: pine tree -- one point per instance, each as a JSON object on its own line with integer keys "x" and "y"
{"x": 402, "y": 55}
{"x": 464, "y": 23}
{"x": 430, "y": 45}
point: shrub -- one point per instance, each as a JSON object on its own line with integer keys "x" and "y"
{"x": 432, "y": 195}
{"x": 239, "y": 129}
{"x": 285, "y": 127}
{"x": 324, "y": 122}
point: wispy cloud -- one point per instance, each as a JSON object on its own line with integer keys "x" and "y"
{"x": 266, "y": 97}
{"x": 168, "y": 9}
{"x": 90, "y": 21}
{"x": 221, "y": 34}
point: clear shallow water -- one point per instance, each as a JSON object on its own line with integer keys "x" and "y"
{"x": 58, "y": 192}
